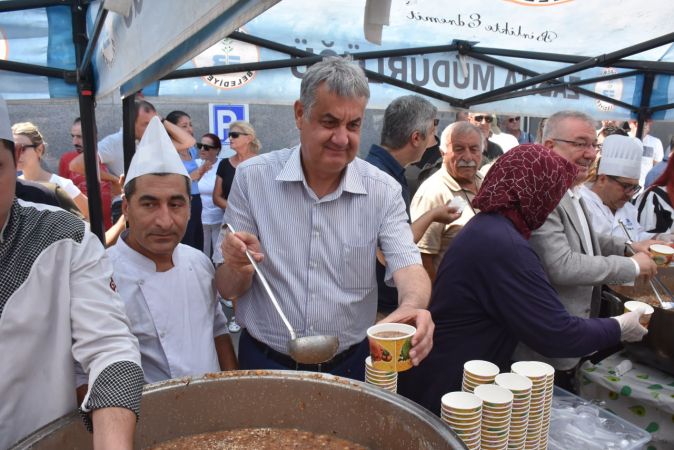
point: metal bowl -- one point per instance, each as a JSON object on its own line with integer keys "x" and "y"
{"x": 319, "y": 403}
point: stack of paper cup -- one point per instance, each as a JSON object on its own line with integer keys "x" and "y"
{"x": 478, "y": 372}
{"x": 462, "y": 411}
{"x": 521, "y": 388}
{"x": 384, "y": 380}
{"x": 538, "y": 374}
{"x": 549, "y": 388}
{"x": 497, "y": 403}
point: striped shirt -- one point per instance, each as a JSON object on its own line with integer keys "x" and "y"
{"x": 319, "y": 253}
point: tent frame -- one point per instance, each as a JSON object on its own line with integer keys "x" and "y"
{"x": 83, "y": 77}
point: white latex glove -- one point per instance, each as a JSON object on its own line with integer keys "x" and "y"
{"x": 630, "y": 328}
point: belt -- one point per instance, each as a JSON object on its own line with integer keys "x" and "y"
{"x": 291, "y": 364}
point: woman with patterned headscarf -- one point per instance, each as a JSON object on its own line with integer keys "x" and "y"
{"x": 491, "y": 290}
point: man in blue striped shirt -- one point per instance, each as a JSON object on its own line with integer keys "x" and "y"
{"x": 313, "y": 216}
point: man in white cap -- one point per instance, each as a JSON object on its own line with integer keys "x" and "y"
{"x": 167, "y": 287}
{"x": 608, "y": 197}
{"x": 58, "y": 305}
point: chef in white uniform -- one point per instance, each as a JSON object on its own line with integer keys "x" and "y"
{"x": 57, "y": 306}
{"x": 167, "y": 288}
{"x": 608, "y": 197}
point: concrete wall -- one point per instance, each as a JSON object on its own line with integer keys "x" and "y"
{"x": 274, "y": 124}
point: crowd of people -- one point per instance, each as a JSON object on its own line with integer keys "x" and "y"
{"x": 497, "y": 252}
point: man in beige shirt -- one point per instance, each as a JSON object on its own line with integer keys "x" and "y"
{"x": 461, "y": 145}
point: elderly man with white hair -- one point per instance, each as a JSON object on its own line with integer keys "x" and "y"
{"x": 608, "y": 197}
{"x": 461, "y": 144}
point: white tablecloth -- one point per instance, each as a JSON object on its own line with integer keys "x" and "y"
{"x": 643, "y": 396}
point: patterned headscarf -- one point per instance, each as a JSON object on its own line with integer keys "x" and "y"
{"x": 525, "y": 185}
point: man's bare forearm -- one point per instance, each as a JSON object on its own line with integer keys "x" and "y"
{"x": 230, "y": 283}
{"x": 113, "y": 428}
{"x": 414, "y": 286}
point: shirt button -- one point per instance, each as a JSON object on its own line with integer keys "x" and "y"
{"x": 140, "y": 282}
{"x": 162, "y": 334}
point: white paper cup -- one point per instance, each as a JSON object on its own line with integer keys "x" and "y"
{"x": 461, "y": 402}
{"x": 494, "y": 396}
{"x": 481, "y": 369}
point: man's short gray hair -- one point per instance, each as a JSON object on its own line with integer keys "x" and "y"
{"x": 457, "y": 129}
{"x": 552, "y": 125}
{"x": 342, "y": 76}
{"x": 404, "y": 116}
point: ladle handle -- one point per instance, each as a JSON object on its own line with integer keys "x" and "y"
{"x": 268, "y": 289}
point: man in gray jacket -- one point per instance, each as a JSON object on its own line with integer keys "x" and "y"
{"x": 577, "y": 260}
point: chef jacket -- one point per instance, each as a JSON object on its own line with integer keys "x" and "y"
{"x": 605, "y": 222}
{"x": 174, "y": 314}
{"x": 57, "y": 303}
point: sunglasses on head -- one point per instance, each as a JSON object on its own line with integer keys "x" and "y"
{"x": 236, "y": 134}
{"x": 201, "y": 146}
{"x": 487, "y": 119}
{"x": 514, "y": 119}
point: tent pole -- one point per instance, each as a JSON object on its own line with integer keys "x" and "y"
{"x": 292, "y": 51}
{"x": 20, "y": 5}
{"x": 32, "y": 69}
{"x": 98, "y": 27}
{"x": 88, "y": 117}
{"x": 644, "y": 112}
{"x": 129, "y": 125}
{"x": 554, "y": 84}
{"x": 604, "y": 59}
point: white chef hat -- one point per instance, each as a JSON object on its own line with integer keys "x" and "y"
{"x": 155, "y": 153}
{"x": 5, "y": 124}
{"x": 621, "y": 157}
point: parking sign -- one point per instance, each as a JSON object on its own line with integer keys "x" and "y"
{"x": 221, "y": 116}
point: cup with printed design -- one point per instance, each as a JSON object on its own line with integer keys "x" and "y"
{"x": 390, "y": 345}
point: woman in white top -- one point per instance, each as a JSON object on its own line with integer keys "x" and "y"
{"x": 654, "y": 206}
{"x": 31, "y": 148}
{"x": 211, "y": 214}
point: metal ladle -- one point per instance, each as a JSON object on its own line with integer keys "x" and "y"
{"x": 304, "y": 350}
{"x": 628, "y": 243}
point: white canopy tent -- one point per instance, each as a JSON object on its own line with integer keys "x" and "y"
{"x": 531, "y": 57}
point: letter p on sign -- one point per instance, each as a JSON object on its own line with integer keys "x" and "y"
{"x": 221, "y": 116}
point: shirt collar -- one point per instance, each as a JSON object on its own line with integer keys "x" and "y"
{"x": 350, "y": 182}
{"x": 453, "y": 184}
{"x": 137, "y": 259}
{"x": 388, "y": 161}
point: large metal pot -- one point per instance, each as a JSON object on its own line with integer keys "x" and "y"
{"x": 657, "y": 348}
{"x": 308, "y": 401}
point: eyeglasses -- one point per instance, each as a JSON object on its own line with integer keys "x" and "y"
{"x": 628, "y": 188}
{"x": 436, "y": 122}
{"x": 27, "y": 146}
{"x": 487, "y": 119}
{"x": 514, "y": 119}
{"x": 205, "y": 146}
{"x": 236, "y": 134}
{"x": 580, "y": 144}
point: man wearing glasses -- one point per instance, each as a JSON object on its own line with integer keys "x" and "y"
{"x": 513, "y": 125}
{"x": 608, "y": 197}
{"x": 577, "y": 259}
{"x": 491, "y": 150}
